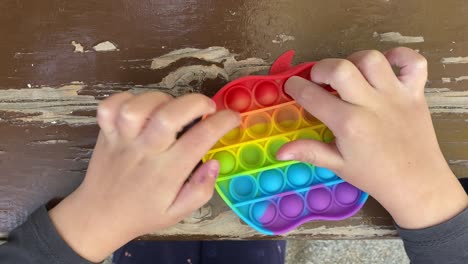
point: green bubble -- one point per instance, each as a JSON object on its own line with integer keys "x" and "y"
{"x": 308, "y": 134}
{"x": 274, "y": 145}
{"x": 251, "y": 156}
{"x": 328, "y": 136}
{"x": 227, "y": 161}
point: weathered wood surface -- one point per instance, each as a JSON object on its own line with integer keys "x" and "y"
{"x": 59, "y": 58}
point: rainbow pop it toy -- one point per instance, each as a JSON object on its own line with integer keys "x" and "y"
{"x": 275, "y": 196}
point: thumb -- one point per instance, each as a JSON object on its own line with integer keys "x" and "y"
{"x": 197, "y": 191}
{"x": 312, "y": 151}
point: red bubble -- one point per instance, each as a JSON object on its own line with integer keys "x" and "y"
{"x": 266, "y": 93}
{"x": 238, "y": 99}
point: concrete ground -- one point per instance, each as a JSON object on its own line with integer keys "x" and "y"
{"x": 389, "y": 251}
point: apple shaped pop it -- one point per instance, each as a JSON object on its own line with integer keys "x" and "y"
{"x": 274, "y": 196}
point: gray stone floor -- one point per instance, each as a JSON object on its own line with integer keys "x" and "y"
{"x": 389, "y": 251}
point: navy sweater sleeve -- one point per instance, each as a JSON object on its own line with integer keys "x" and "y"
{"x": 444, "y": 243}
{"x": 36, "y": 241}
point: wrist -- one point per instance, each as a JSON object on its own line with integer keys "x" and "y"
{"x": 421, "y": 205}
{"x": 86, "y": 228}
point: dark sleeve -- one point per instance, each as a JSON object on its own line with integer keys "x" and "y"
{"x": 444, "y": 243}
{"x": 36, "y": 241}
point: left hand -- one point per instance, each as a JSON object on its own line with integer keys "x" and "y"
{"x": 138, "y": 177}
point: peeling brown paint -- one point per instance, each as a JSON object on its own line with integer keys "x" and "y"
{"x": 397, "y": 37}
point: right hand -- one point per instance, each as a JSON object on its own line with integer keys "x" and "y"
{"x": 385, "y": 142}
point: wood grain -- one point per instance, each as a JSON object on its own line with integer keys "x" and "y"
{"x": 52, "y": 76}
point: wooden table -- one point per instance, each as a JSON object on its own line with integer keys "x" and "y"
{"x": 59, "y": 58}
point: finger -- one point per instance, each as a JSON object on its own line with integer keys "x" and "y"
{"x": 160, "y": 131}
{"x": 344, "y": 77}
{"x": 190, "y": 148}
{"x": 317, "y": 101}
{"x": 375, "y": 68}
{"x": 108, "y": 111}
{"x": 413, "y": 66}
{"x": 196, "y": 192}
{"x": 135, "y": 112}
{"x": 312, "y": 151}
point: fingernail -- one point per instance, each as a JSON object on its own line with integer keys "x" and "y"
{"x": 292, "y": 84}
{"x": 286, "y": 156}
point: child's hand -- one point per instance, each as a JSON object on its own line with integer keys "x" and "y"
{"x": 137, "y": 181}
{"x": 385, "y": 142}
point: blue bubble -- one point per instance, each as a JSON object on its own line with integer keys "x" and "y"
{"x": 271, "y": 181}
{"x": 243, "y": 188}
{"x": 263, "y": 212}
{"x": 299, "y": 175}
{"x": 324, "y": 174}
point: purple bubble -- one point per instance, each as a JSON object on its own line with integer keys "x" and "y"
{"x": 319, "y": 200}
{"x": 291, "y": 206}
{"x": 264, "y": 212}
{"x": 346, "y": 194}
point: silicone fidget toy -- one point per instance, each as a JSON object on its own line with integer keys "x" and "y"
{"x": 274, "y": 196}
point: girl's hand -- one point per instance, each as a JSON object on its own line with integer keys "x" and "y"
{"x": 385, "y": 142}
{"x": 138, "y": 177}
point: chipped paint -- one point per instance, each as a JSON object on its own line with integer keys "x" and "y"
{"x": 56, "y": 104}
{"x": 50, "y": 142}
{"x": 105, "y": 46}
{"x": 218, "y": 55}
{"x": 227, "y": 224}
{"x": 211, "y": 54}
{"x": 454, "y": 60}
{"x": 456, "y": 79}
{"x": 461, "y": 78}
{"x": 446, "y": 80}
{"x": 282, "y": 38}
{"x": 458, "y": 162}
{"x": 78, "y": 47}
{"x": 229, "y": 69}
{"x": 397, "y": 37}
{"x": 48, "y": 104}
{"x": 184, "y": 76}
{"x": 444, "y": 100}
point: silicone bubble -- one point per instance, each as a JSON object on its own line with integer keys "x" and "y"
{"x": 232, "y": 137}
{"x": 264, "y": 212}
{"x": 327, "y": 135}
{"x": 266, "y": 93}
{"x": 227, "y": 161}
{"x": 238, "y": 98}
{"x": 319, "y": 200}
{"x": 309, "y": 133}
{"x": 291, "y": 206}
{"x": 299, "y": 175}
{"x": 271, "y": 181}
{"x": 346, "y": 194}
{"x": 324, "y": 174}
{"x": 273, "y": 146}
{"x": 251, "y": 156}
{"x": 258, "y": 125}
{"x": 287, "y": 118}
{"x": 243, "y": 188}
